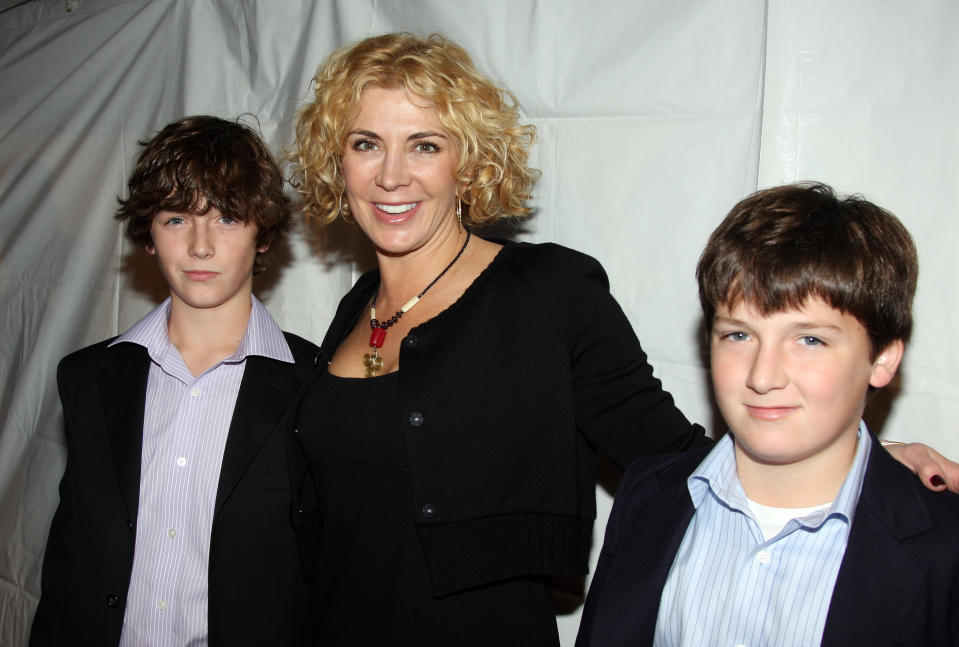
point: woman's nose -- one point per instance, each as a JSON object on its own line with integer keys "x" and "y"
{"x": 393, "y": 172}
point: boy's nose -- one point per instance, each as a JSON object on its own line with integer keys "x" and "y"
{"x": 201, "y": 245}
{"x": 768, "y": 370}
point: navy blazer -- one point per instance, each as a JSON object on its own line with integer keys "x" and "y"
{"x": 257, "y": 593}
{"x": 898, "y": 583}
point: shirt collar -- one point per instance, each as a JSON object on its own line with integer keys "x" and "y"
{"x": 716, "y": 474}
{"x": 150, "y": 332}
{"x": 262, "y": 337}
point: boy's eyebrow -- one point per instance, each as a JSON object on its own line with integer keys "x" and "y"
{"x": 726, "y": 319}
{"x": 798, "y": 325}
{"x": 805, "y": 325}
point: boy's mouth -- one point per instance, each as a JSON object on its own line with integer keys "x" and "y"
{"x": 200, "y": 275}
{"x": 769, "y": 413}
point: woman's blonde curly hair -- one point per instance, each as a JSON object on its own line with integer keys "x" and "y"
{"x": 482, "y": 119}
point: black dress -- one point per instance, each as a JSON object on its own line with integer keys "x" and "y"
{"x": 373, "y": 576}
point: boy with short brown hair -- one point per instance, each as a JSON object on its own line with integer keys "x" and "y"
{"x": 797, "y": 528}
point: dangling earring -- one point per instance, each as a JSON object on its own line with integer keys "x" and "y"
{"x": 459, "y": 210}
{"x": 343, "y": 210}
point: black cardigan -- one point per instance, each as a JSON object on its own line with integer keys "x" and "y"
{"x": 504, "y": 398}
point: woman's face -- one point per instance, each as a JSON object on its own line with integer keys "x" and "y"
{"x": 398, "y": 166}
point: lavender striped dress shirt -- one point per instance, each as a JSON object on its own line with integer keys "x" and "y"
{"x": 185, "y": 426}
{"x": 728, "y": 586}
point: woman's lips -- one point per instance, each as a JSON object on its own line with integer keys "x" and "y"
{"x": 395, "y": 212}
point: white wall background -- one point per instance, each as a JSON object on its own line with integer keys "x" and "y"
{"x": 654, "y": 117}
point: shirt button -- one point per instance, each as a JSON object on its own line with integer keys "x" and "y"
{"x": 194, "y": 392}
{"x": 429, "y": 511}
{"x": 180, "y": 462}
{"x": 416, "y": 419}
{"x": 410, "y": 341}
{"x": 161, "y": 605}
{"x": 171, "y": 532}
{"x": 113, "y": 600}
{"x": 763, "y": 557}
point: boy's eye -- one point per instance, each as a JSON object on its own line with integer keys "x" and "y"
{"x": 426, "y": 147}
{"x": 810, "y": 340}
{"x": 736, "y": 335}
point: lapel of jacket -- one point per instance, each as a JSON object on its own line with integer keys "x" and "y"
{"x": 122, "y": 390}
{"x": 266, "y": 391}
{"x": 877, "y": 569}
{"x": 647, "y": 548}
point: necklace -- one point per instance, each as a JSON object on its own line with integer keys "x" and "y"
{"x": 371, "y": 360}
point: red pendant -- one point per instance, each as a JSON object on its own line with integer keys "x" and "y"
{"x": 377, "y": 337}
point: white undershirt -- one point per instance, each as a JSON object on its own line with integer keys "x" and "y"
{"x": 772, "y": 520}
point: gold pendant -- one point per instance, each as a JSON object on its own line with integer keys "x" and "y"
{"x": 373, "y": 363}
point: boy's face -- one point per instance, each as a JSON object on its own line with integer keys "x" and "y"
{"x": 792, "y": 385}
{"x": 207, "y": 260}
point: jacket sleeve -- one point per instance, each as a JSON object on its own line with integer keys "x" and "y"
{"x": 620, "y": 406}
{"x": 48, "y": 627}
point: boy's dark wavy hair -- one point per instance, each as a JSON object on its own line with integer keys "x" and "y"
{"x": 200, "y": 162}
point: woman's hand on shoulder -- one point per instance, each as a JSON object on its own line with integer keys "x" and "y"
{"x": 934, "y": 470}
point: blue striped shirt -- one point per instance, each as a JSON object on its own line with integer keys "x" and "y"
{"x": 185, "y": 425}
{"x": 729, "y": 586}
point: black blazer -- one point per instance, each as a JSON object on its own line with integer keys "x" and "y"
{"x": 257, "y": 594}
{"x": 898, "y": 583}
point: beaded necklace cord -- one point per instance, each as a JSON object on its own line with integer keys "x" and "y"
{"x": 371, "y": 360}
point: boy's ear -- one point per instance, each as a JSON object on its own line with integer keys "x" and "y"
{"x": 151, "y": 250}
{"x": 886, "y": 364}
{"x": 260, "y": 247}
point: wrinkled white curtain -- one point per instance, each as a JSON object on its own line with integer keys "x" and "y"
{"x": 654, "y": 118}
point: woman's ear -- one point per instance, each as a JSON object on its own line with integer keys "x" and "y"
{"x": 886, "y": 364}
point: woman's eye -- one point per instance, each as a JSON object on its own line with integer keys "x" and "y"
{"x": 364, "y": 145}
{"x": 175, "y": 220}
{"x": 426, "y": 147}
{"x": 227, "y": 220}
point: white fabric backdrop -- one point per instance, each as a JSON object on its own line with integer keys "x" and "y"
{"x": 653, "y": 117}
